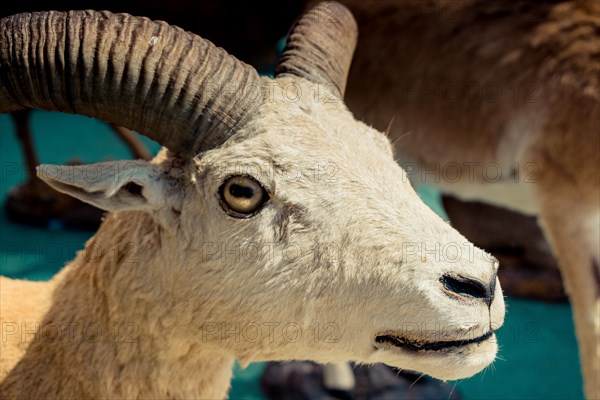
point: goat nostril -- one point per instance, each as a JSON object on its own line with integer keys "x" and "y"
{"x": 467, "y": 287}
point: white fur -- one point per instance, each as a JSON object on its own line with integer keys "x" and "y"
{"x": 348, "y": 252}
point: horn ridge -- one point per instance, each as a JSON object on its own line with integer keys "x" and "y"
{"x": 145, "y": 75}
{"x": 320, "y": 46}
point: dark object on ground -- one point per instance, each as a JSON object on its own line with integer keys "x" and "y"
{"x": 40, "y": 205}
{"x": 35, "y": 203}
{"x": 527, "y": 266}
{"x": 301, "y": 380}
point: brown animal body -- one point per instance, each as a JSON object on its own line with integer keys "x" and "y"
{"x": 500, "y": 102}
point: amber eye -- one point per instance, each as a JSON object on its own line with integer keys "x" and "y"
{"x": 242, "y": 196}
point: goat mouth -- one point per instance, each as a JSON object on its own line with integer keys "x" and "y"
{"x": 417, "y": 345}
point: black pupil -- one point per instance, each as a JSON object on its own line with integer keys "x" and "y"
{"x": 241, "y": 191}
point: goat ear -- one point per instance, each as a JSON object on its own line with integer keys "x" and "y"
{"x": 111, "y": 186}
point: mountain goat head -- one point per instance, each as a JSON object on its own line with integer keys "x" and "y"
{"x": 273, "y": 208}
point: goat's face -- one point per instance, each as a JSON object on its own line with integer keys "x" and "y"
{"x": 302, "y": 238}
{"x": 343, "y": 260}
{"x": 286, "y": 228}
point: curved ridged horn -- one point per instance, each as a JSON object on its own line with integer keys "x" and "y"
{"x": 157, "y": 79}
{"x": 320, "y": 46}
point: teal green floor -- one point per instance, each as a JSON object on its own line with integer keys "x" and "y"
{"x": 538, "y": 356}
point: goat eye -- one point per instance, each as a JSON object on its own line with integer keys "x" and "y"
{"x": 242, "y": 196}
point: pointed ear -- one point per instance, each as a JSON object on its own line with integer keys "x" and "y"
{"x": 111, "y": 186}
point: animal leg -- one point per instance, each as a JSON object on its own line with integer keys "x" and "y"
{"x": 571, "y": 222}
{"x": 338, "y": 376}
